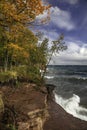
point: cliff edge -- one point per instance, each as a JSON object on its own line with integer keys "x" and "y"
{"x": 25, "y": 108}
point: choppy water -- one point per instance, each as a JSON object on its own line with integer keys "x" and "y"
{"x": 71, "y": 90}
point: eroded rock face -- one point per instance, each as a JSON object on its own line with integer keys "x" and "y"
{"x": 1, "y": 106}
{"x": 1, "y": 103}
{"x": 26, "y": 108}
{"x": 36, "y": 120}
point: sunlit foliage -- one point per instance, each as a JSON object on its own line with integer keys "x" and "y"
{"x": 21, "y": 57}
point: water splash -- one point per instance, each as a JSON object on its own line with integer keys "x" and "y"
{"x": 72, "y": 106}
{"x": 49, "y": 77}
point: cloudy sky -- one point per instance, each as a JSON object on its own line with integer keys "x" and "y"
{"x": 70, "y": 18}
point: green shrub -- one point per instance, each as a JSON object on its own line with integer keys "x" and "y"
{"x": 7, "y": 76}
{"x": 21, "y": 73}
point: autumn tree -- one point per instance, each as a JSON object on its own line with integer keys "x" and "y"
{"x": 18, "y": 44}
{"x": 15, "y": 16}
{"x": 22, "y": 57}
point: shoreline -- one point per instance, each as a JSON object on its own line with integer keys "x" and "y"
{"x": 25, "y": 108}
{"x": 37, "y": 109}
{"x": 61, "y": 120}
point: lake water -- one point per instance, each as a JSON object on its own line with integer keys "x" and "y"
{"x": 71, "y": 88}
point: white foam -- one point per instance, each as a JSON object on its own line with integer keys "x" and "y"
{"x": 49, "y": 77}
{"x": 84, "y": 78}
{"x": 72, "y": 106}
{"x": 80, "y": 78}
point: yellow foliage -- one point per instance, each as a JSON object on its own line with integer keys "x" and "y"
{"x": 14, "y": 47}
{"x": 19, "y": 43}
{"x": 13, "y": 74}
{"x": 21, "y": 11}
{"x": 25, "y": 54}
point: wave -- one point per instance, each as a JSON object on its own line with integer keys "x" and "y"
{"x": 72, "y": 106}
{"x": 70, "y": 77}
{"x": 49, "y": 77}
{"x": 75, "y": 78}
{"x": 78, "y": 77}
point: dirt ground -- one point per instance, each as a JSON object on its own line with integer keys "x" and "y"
{"x": 19, "y": 101}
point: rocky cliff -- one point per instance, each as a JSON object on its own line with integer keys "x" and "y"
{"x": 25, "y": 108}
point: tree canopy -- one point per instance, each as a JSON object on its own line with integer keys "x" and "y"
{"x": 21, "y": 57}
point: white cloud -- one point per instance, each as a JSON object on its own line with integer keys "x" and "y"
{"x": 58, "y": 17}
{"x": 61, "y": 18}
{"x": 42, "y": 16}
{"x": 50, "y": 34}
{"x": 76, "y": 54}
